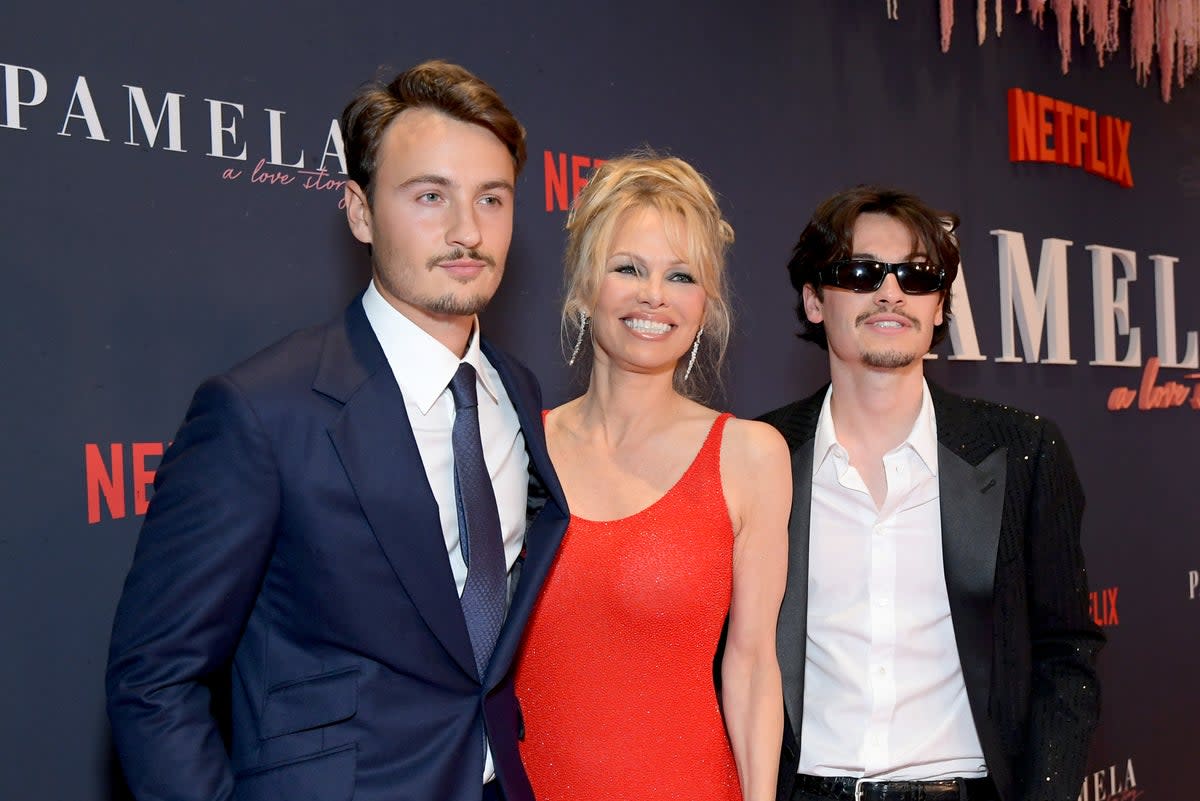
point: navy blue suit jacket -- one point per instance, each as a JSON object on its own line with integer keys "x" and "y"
{"x": 294, "y": 541}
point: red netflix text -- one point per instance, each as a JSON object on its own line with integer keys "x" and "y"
{"x": 114, "y": 472}
{"x": 1102, "y": 606}
{"x": 563, "y": 171}
{"x": 1042, "y": 128}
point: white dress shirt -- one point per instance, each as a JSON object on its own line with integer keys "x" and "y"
{"x": 423, "y": 368}
{"x": 884, "y": 695}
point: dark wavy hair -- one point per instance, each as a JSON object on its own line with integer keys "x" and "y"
{"x": 438, "y": 85}
{"x": 829, "y": 237}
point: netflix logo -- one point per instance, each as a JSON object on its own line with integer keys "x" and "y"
{"x": 1042, "y": 128}
{"x": 117, "y": 473}
{"x": 566, "y": 176}
{"x": 1102, "y": 606}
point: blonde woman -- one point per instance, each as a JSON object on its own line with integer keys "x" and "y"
{"x": 679, "y": 519}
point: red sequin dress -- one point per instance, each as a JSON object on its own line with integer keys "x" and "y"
{"x": 615, "y": 677}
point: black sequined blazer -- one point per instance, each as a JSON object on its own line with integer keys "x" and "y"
{"x": 1011, "y": 508}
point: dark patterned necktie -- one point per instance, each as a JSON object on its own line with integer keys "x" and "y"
{"x": 479, "y": 523}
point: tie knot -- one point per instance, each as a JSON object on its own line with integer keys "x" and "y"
{"x": 462, "y": 387}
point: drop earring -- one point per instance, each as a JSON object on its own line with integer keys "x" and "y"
{"x": 692, "y": 358}
{"x": 583, "y": 321}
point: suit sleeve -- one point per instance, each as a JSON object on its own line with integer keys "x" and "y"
{"x": 1065, "y": 693}
{"x": 200, "y": 559}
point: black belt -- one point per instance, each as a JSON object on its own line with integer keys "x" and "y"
{"x": 852, "y": 788}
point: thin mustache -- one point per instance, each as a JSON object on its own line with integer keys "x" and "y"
{"x": 862, "y": 318}
{"x": 461, "y": 254}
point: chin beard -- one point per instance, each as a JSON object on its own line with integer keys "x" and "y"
{"x": 461, "y": 307}
{"x": 888, "y": 359}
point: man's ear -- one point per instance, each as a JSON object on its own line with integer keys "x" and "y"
{"x": 358, "y": 212}
{"x": 812, "y": 304}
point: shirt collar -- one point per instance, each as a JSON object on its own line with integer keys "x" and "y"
{"x": 922, "y": 438}
{"x": 423, "y": 366}
{"x": 826, "y": 438}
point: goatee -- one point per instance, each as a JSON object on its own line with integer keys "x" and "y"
{"x": 888, "y": 359}
{"x": 462, "y": 307}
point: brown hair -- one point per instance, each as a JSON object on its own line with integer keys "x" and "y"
{"x": 829, "y": 237}
{"x": 439, "y": 85}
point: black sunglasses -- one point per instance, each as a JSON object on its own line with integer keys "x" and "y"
{"x": 864, "y": 275}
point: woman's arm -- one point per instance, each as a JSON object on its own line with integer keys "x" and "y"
{"x": 757, "y": 476}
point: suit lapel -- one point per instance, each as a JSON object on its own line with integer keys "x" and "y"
{"x": 379, "y": 453}
{"x": 798, "y": 424}
{"x": 971, "y": 484}
{"x": 545, "y": 532}
{"x": 972, "y": 487}
{"x": 791, "y": 636}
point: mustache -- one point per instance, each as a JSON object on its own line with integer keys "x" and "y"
{"x": 461, "y": 253}
{"x": 862, "y": 318}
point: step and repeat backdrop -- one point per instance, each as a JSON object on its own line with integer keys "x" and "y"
{"x": 170, "y": 198}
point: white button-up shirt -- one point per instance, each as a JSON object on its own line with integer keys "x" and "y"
{"x": 423, "y": 368}
{"x": 884, "y": 695}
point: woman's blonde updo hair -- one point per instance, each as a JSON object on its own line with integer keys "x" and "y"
{"x": 695, "y": 228}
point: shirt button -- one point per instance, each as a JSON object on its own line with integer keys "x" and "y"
{"x": 878, "y": 529}
{"x": 882, "y": 602}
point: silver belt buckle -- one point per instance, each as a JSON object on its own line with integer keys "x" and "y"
{"x": 858, "y": 788}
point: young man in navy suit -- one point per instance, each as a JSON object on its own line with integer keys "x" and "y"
{"x": 934, "y": 639}
{"x": 354, "y": 523}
